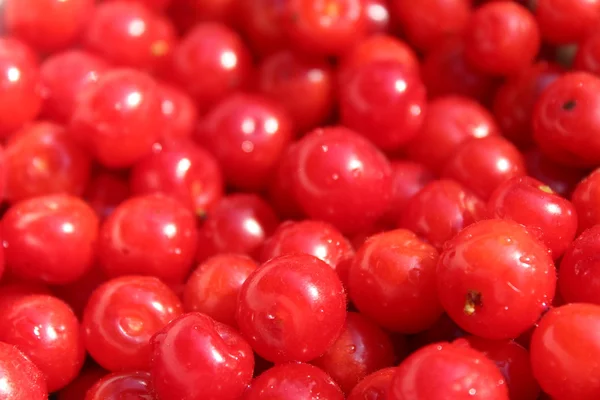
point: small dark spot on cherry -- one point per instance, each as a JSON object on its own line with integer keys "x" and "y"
{"x": 569, "y": 105}
{"x": 473, "y": 301}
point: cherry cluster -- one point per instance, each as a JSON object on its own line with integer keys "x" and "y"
{"x": 300, "y": 199}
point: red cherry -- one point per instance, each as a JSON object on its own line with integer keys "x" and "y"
{"x": 374, "y": 386}
{"x": 495, "y": 279}
{"x": 247, "y": 134}
{"x": 304, "y": 86}
{"x": 183, "y": 171}
{"x": 239, "y": 223}
{"x": 262, "y": 24}
{"x": 77, "y": 389}
{"x": 50, "y": 238}
{"x": 384, "y": 101}
{"x": 377, "y": 16}
{"x": 316, "y": 238}
{"x": 286, "y": 292}
{"x": 440, "y": 210}
{"x": 361, "y": 348}
{"x": 564, "y": 350}
{"x": 22, "y": 379}
{"x": 565, "y": 119}
{"x": 46, "y": 330}
{"x": 121, "y": 385}
{"x": 449, "y": 122}
{"x": 196, "y": 348}
{"x": 561, "y": 179}
{"x": 294, "y": 381}
{"x": 448, "y": 371}
{"x": 502, "y": 38}
{"x": 118, "y": 119}
{"x": 324, "y": 27}
{"x": 120, "y": 318}
{"x": 47, "y": 25}
{"x": 544, "y": 213}
{"x": 43, "y": 159}
{"x": 63, "y": 76}
{"x": 513, "y": 361}
{"x": 563, "y": 22}
{"x": 76, "y": 294}
{"x": 105, "y": 192}
{"x": 427, "y": 22}
{"x": 148, "y": 235}
{"x": 483, "y": 164}
{"x": 579, "y": 268}
{"x": 216, "y": 53}
{"x": 213, "y": 288}
{"x": 128, "y": 34}
{"x": 341, "y": 178}
{"x": 186, "y": 14}
{"x": 179, "y": 113}
{"x": 392, "y": 281}
{"x": 280, "y": 192}
{"x": 20, "y": 93}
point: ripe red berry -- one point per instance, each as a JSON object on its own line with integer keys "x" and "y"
{"x": 22, "y": 379}
{"x": 105, "y": 191}
{"x": 287, "y": 292}
{"x": 195, "y": 348}
{"x": 374, "y": 386}
{"x": 563, "y": 22}
{"x": 262, "y": 24}
{"x": 120, "y": 318}
{"x": 561, "y": 179}
{"x": 378, "y": 18}
{"x": 294, "y": 381}
{"x": 118, "y": 119}
{"x": 77, "y": 389}
{"x": 392, "y": 281}
{"x": 564, "y": 352}
{"x": 121, "y": 384}
{"x": 444, "y": 371}
{"x": 179, "y": 113}
{"x": 50, "y": 238}
{"x": 495, "y": 279}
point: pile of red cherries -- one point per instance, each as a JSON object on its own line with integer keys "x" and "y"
{"x": 300, "y": 200}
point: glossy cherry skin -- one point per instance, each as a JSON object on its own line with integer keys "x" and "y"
{"x": 47, "y": 25}
{"x": 545, "y": 214}
{"x": 287, "y": 292}
{"x": 392, "y": 281}
{"x": 118, "y": 119}
{"x": 215, "y": 51}
{"x": 384, "y": 101}
{"x": 239, "y": 223}
{"x": 77, "y": 389}
{"x": 495, "y": 279}
{"x": 584, "y": 198}
{"x": 50, "y": 238}
{"x": 46, "y": 330}
{"x": 449, "y": 122}
{"x": 41, "y": 159}
{"x": 564, "y": 352}
{"x": 408, "y": 179}
{"x": 325, "y": 27}
{"x": 563, "y": 22}
{"x": 119, "y": 385}
{"x": 304, "y": 86}
{"x": 427, "y": 22}
{"x": 179, "y": 113}
{"x": 378, "y": 18}
{"x": 247, "y": 134}
{"x": 63, "y": 76}
{"x": 361, "y": 348}
{"x": 262, "y": 25}
{"x": 294, "y": 381}
{"x": 502, "y": 38}
{"x": 587, "y": 57}
{"x": 559, "y": 178}
{"x": 578, "y": 273}
{"x": 182, "y": 170}
{"x": 483, "y": 164}
{"x": 444, "y": 371}
{"x": 440, "y": 210}
{"x": 120, "y": 318}
{"x": 374, "y": 386}
{"x": 186, "y": 14}
{"x": 21, "y": 94}
{"x": 280, "y": 192}
{"x": 195, "y": 348}
{"x": 341, "y": 178}
{"x": 22, "y": 379}
{"x": 565, "y": 119}
{"x": 127, "y": 34}
{"x": 105, "y": 191}
{"x": 513, "y": 361}
{"x": 515, "y": 100}
{"x": 148, "y": 235}
{"x": 446, "y": 71}
{"x": 213, "y": 288}
{"x": 316, "y": 238}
